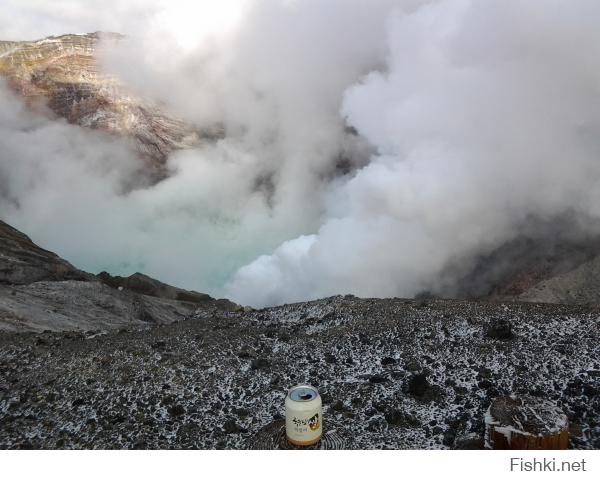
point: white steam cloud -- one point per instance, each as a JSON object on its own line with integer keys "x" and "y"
{"x": 369, "y": 144}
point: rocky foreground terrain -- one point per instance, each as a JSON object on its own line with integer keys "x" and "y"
{"x": 92, "y": 361}
{"x": 392, "y": 373}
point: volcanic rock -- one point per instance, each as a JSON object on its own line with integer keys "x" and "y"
{"x": 22, "y": 262}
{"x": 378, "y": 379}
{"x": 418, "y": 385}
{"x": 260, "y": 363}
{"x": 41, "y": 291}
{"x": 202, "y": 395}
{"x": 500, "y": 329}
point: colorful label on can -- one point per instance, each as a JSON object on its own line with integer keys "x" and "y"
{"x": 304, "y": 417}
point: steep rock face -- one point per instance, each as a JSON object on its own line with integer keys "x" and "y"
{"x": 22, "y": 262}
{"x": 63, "y": 74}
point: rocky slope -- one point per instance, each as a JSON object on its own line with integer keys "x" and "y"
{"x": 63, "y": 73}
{"x": 111, "y": 362}
{"x": 23, "y": 262}
{"x": 560, "y": 264}
{"x": 579, "y": 285}
{"x": 40, "y": 291}
{"x": 392, "y": 373}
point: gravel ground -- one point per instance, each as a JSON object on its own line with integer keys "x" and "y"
{"x": 392, "y": 373}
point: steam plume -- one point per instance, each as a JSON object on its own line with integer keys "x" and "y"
{"x": 370, "y": 145}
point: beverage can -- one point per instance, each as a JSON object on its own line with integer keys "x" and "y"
{"x": 303, "y": 415}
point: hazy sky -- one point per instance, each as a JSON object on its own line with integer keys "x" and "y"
{"x": 471, "y": 116}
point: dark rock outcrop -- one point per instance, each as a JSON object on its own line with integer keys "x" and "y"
{"x": 145, "y": 285}
{"x": 499, "y": 329}
{"x": 22, "y": 262}
{"x": 418, "y": 385}
{"x": 41, "y": 291}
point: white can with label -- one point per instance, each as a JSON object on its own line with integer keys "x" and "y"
{"x": 303, "y": 415}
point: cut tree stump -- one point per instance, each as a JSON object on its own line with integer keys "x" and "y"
{"x": 272, "y": 437}
{"x": 526, "y": 423}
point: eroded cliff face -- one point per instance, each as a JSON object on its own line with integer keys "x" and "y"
{"x": 62, "y": 75}
{"x": 22, "y": 262}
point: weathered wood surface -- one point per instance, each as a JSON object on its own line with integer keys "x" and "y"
{"x": 272, "y": 437}
{"x": 526, "y": 423}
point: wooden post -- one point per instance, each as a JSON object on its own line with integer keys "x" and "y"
{"x": 525, "y": 423}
